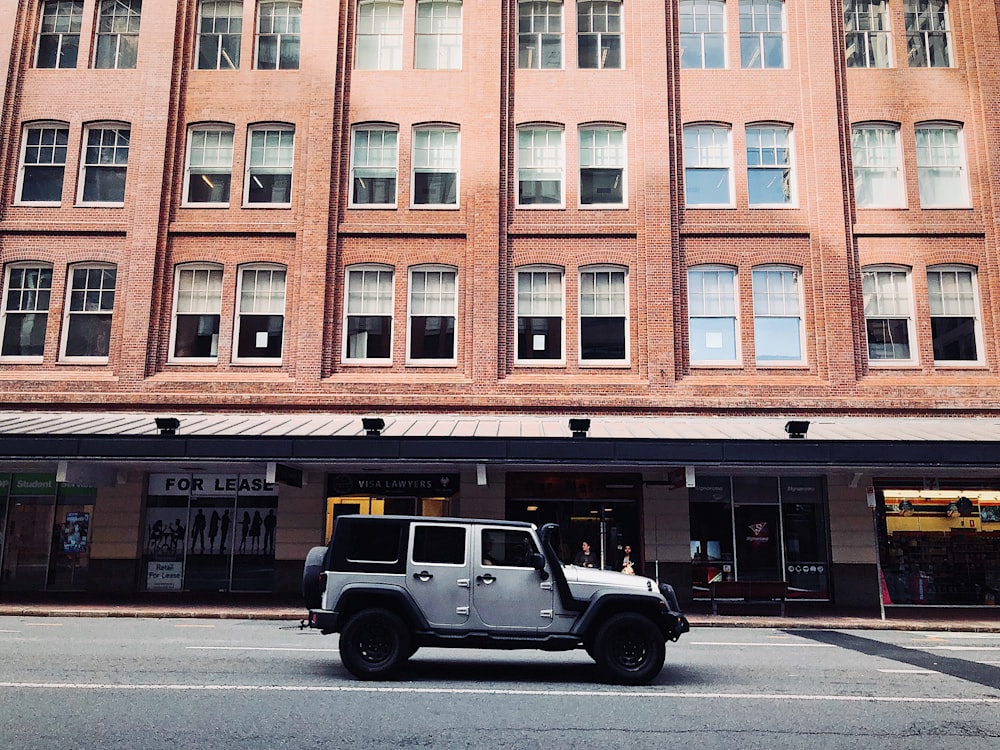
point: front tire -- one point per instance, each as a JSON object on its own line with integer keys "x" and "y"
{"x": 374, "y": 643}
{"x": 629, "y": 649}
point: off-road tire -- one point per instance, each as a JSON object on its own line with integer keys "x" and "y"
{"x": 312, "y": 590}
{"x": 629, "y": 649}
{"x": 374, "y": 644}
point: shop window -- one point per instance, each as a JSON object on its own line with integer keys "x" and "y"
{"x": 379, "y": 35}
{"x": 603, "y": 316}
{"x": 762, "y": 33}
{"x": 43, "y": 164}
{"x": 539, "y": 34}
{"x": 954, "y": 306}
{"x": 374, "y": 156}
{"x": 703, "y": 33}
{"x": 220, "y": 28}
{"x": 599, "y": 33}
{"x": 878, "y": 175}
{"x": 777, "y": 309}
{"x": 90, "y": 304}
{"x": 888, "y": 314}
{"x": 432, "y": 315}
{"x": 369, "y": 313}
{"x": 866, "y": 27}
{"x": 602, "y": 166}
{"x": 708, "y": 163}
{"x": 27, "y": 293}
{"x": 260, "y": 320}
{"x": 279, "y": 31}
{"x": 59, "y": 34}
{"x": 712, "y": 309}
{"x": 209, "y": 165}
{"x": 540, "y": 315}
{"x": 439, "y": 35}
{"x": 928, "y": 33}
{"x": 540, "y": 167}
{"x": 118, "y": 34}
{"x": 197, "y": 312}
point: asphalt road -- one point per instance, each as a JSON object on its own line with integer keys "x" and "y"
{"x": 96, "y": 683}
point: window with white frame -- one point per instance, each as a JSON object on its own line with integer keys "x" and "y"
{"x": 220, "y": 28}
{"x": 941, "y": 166}
{"x": 928, "y": 33}
{"x": 209, "y": 165}
{"x": 27, "y": 293}
{"x": 374, "y": 164}
{"x": 539, "y": 34}
{"x": 435, "y": 166}
{"x": 602, "y": 166}
{"x": 368, "y": 313}
{"x": 599, "y": 33}
{"x": 777, "y": 311}
{"x": 769, "y": 165}
{"x": 603, "y": 315}
{"x": 708, "y": 163}
{"x": 117, "y": 34}
{"x": 269, "y": 165}
{"x": 260, "y": 318}
{"x": 379, "y": 35}
{"x": 43, "y": 163}
{"x": 439, "y": 35}
{"x": 540, "y": 163}
{"x": 866, "y": 27}
{"x": 954, "y": 307}
{"x": 712, "y": 315}
{"x": 197, "y": 312}
{"x": 433, "y": 312}
{"x": 105, "y": 164}
{"x": 90, "y": 303}
{"x": 878, "y": 175}
{"x": 279, "y": 33}
{"x": 762, "y": 33}
{"x": 540, "y": 314}
{"x": 888, "y": 314}
{"x": 59, "y": 34}
{"x": 703, "y": 33}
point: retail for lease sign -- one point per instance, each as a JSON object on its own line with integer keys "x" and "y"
{"x": 164, "y": 576}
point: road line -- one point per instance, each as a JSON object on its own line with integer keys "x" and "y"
{"x": 259, "y": 648}
{"x": 769, "y": 645}
{"x": 991, "y": 701}
{"x": 194, "y": 625}
{"x": 960, "y": 648}
{"x": 10, "y": 631}
{"x": 908, "y": 671}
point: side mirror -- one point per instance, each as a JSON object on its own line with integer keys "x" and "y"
{"x": 537, "y": 561}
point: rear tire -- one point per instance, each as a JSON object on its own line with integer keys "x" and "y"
{"x": 312, "y": 589}
{"x": 629, "y": 649}
{"x": 374, "y": 644}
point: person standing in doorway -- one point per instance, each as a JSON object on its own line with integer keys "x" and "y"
{"x": 585, "y": 558}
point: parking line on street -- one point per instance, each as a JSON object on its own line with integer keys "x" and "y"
{"x": 908, "y": 671}
{"x": 746, "y": 643}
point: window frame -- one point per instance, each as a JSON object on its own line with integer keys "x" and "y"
{"x": 417, "y": 168}
{"x": 131, "y": 13}
{"x": 438, "y": 38}
{"x": 378, "y": 269}
{"x": 962, "y": 167}
{"x": 203, "y": 169}
{"x": 601, "y": 36}
{"x": 23, "y": 167}
{"x": 908, "y": 316}
{"x": 863, "y": 16}
{"x": 5, "y": 310}
{"x": 241, "y": 272}
{"x": 912, "y": 13}
{"x": 699, "y": 128}
{"x": 532, "y": 41}
{"x": 282, "y": 39}
{"x": 387, "y": 56}
{"x": 900, "y": 181}
{"x": 75, "y": 18}
{"x": 548, "y": 271}
{"x": 977, "y": 314}
{"x": 410, "y": 339}
{"x": 374, "y": 127}
{"x": 611, "y": 269}
{"x": 703, "y": 313}
{"x": 559, "y": 151}
{"x": 693, "y": 13}
{"x": 783, "y": 295}
{"x": 72, "y": 316}
{"x": 788, "y": 166}
{"x": 251, "y": 170}
{"x": 608, "y": 151}
{"x": 221, "y": 54}
{"x": 196, "y": 267}
{"x": 116, "y": 149}
{"x": 754, "y": 39}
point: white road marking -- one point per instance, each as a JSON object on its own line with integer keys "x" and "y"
{"x": 960, "y": 648}
{"x": 194, "y": 625}
{"x": 259, "y": 648}
{"x": 990, "y": 701}
{"x": 961, "y": 636}
{"x": 908, "y": 671}
{"x": 769, "y": 645}
{"x": 10, "y": 631}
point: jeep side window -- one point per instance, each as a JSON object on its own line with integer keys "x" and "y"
{"x": 374, "y": 542}
{"x": 439, "y": 545}
{"x": 507, "y": 547}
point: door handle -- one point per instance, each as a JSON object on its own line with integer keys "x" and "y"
{"x": 487, "y": 579}
{"x": 423, "y": 575}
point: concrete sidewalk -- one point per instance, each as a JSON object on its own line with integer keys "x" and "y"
{"x": 249, "y": 607}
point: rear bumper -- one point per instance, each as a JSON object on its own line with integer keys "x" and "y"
{"x": 322, "y": 619}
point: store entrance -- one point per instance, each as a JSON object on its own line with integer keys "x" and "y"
{"x": 758, "y": 543}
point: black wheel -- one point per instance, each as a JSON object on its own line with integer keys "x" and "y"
{"x": 312, "y": 589}
{"x": 629, "y": 649}
{"x": 374, "y": 643}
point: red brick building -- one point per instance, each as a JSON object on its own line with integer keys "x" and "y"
{"x": 689, "y": 221}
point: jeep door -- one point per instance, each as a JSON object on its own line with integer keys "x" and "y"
{"x": 437, "y": 572}
{"x": 508, "y": 592}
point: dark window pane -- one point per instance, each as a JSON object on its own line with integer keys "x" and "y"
{"x": 267, "y": 53}
{"x": 70, "y": 50}
{"x": 88, "y": 336}
{"x": 434, "y": 188}
{"x": 260, "y": 336}
{"x": 42, "y": 184}
{"x": 538, "y": 192}
{"x": 104, "y": 185}
{"x": 601, "y": 186}
{"x": 611, "y": 52}
{"x": 128, "y": 52}
{"x": 209, "y": 188}
{"x": 270, "y": 188}
{"x": 369, "y": 337}
{"x": 197, "y": 336}
{"x": 24, "y": 334}
{"x": 539, "y": 338}
{"x": 432, "y": 337}
{"x": 106, "y": 48}
{"x": 888, "y": 339}
{"x": 587, "y": 51}
{"x": 439, "y": 545}
{"x": 602, "y": 338}
{"x": 374, "y": 190}
{"x": 954, "y": 339}
{"x": 289, "y": 53}
{"x": 48, "y": 51}
{"x": 208, "y": 53}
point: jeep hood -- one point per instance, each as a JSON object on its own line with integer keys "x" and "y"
{"x": 593, "y": 578}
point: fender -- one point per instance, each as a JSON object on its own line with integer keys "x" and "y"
{"x": 602, "y": 603}
{"x": 355, "y": 596}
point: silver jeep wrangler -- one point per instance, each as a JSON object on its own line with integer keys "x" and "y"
{"x": 390, "y": 584}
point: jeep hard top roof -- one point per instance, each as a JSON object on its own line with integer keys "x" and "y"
{"x": 439, "y": 519}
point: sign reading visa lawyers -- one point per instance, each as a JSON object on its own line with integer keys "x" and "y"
{"x": 165, "y": 576}
{"x": 202, "y": 485}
